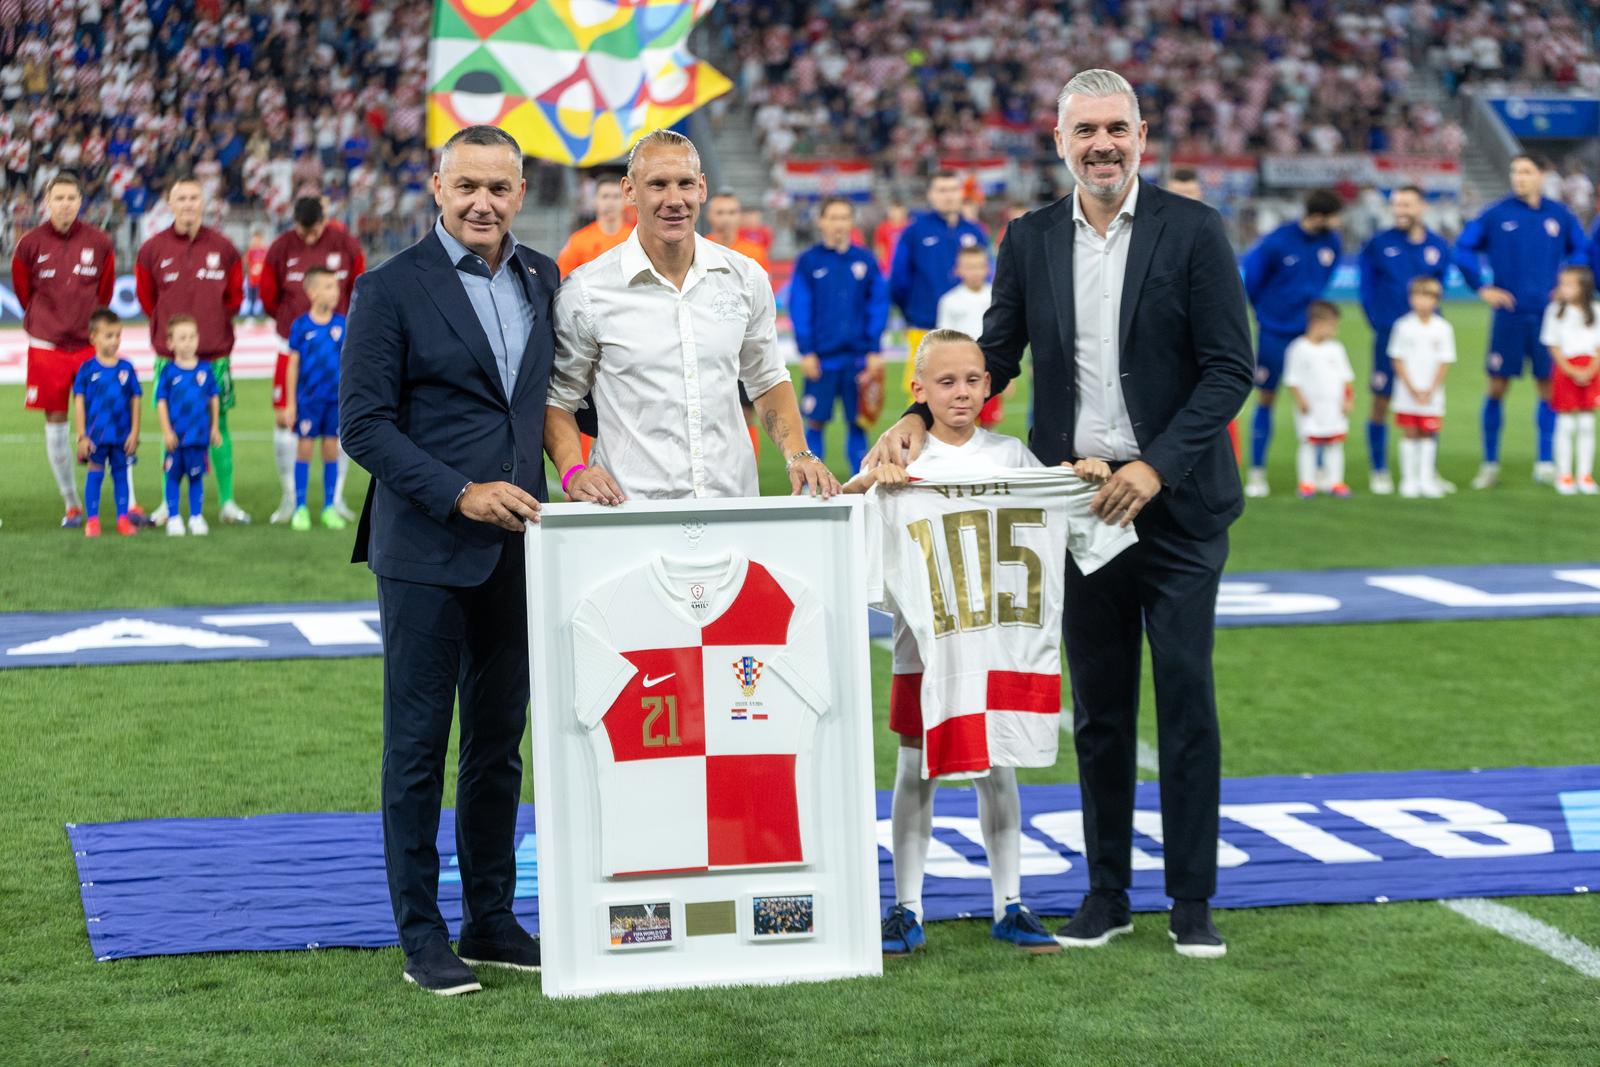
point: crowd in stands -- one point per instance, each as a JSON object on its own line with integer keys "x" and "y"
{"x": 904, "y": 82}
{"x": 261, "y": 100}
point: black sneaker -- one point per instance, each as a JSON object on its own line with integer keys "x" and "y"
{"x": 436, "y": 969}
{"x": 1192, "y": 931}
{"x": 1104, "y": 914}
{"x": 512, "y": 948}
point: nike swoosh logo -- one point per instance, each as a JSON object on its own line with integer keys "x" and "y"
{"x": 649, "y": 681}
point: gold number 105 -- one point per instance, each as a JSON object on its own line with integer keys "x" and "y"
{"x": 997, "y": 527}
{"x": 654, "y": 706}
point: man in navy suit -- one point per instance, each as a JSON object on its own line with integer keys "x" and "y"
{"x": 1131, "y": 299}
{"x": 442, "y": 398}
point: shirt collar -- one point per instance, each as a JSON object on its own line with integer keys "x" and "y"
{"x": 1129, "y": 206}
{"x": 708, "y": 255}
{"x": 456, "y": 250}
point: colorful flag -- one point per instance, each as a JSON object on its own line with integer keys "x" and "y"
{"x": 574, "y": 81}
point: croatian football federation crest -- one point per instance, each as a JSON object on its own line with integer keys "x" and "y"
{"x": 1430, "y": 255}
{"x": 859, "y": 269}
{"x": 1325, "y": 256}
{"x": 1552, "y": 227}
{"x": 336, "y": 333}
{"x": 747, "y": 669}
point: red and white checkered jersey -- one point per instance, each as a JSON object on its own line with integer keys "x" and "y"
{"x": 700, "y": 684}
{"x": 970, "y": 558}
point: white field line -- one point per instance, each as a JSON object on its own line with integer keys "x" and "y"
{"x": 1519, "y": 926}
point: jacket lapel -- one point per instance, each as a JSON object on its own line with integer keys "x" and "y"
{"x": 1141, "y": 248}
{"x": 536, "y": 287}
{"x": 448, "y": 294}
{"x": 1059, "y": 239}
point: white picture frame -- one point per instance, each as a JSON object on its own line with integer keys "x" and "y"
{"x": 572, "y": 551}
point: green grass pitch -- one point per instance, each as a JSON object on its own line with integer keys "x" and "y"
{"x": 1391, "y": 984}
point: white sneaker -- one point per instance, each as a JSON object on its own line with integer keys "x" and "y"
{"x": 1381, "y": 483}
{"x": 1255, "y": 485}
{"x": 1567, "y": 486}
{"x": 341, "y": 509}
{"x": 283, "y": 512}
{"x": 1432, "y": 490}
{"x": 1488, "y": 476}
{"x": 158, "y": 517}
{"x": 174, "y": 527}
{"x": 1587, "y": 486}
{"x": 197, "y": 525}
{"x": 1446, "y": 484}
{"x": 1544, "y": 473}
{"x": 1410, "y": 490}
{"x": 231, "y": 512}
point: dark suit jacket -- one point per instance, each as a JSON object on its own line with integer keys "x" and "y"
{"x": 421, "y": 407}
{"x": 1185, "y": 349}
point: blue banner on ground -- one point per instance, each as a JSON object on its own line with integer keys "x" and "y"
{"x": 172, "y": 886}
{"x": 1277, "y": 598}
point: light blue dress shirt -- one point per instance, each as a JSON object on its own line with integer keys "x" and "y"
{"x": 499, "y": 299}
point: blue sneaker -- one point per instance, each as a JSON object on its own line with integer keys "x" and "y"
{"x": 902, "y": 934}
{"x": 1022, "y": 928}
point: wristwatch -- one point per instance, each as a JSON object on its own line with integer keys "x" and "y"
{"x": 804, "y": 453}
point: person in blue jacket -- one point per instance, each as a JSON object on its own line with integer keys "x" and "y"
{"x": 839, "y": 304}
{"x": 924, "y": 265}
{"x": 1525, "y": 239}
{"x": 1388, "y": 264}
{"x": 1286, "y": 270}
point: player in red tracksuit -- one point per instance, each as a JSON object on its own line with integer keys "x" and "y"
{"x": 314, "y": 241}
{"x": 192, "y": 269}
{"x": 62, "y": 271}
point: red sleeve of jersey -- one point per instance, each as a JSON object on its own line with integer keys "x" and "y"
{"x": 270, "y": 293}
{"x": 21, "y": 283}
{"x": 233, "y": 290}
{"x": 108, "y": 275}
{"x": 144, "y": 283}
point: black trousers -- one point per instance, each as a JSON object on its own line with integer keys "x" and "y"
{"x": 441, "y": 643}
{"x": 1165, "y": 588}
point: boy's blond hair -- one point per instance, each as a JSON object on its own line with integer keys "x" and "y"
{"x": 938, "y": 337}
{"x": 1425, "y": 284}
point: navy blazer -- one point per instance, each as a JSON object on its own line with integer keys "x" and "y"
{"x": 1186, "y": 357}
{"x": 421, "y": 407}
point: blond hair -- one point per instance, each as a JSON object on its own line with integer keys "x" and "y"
{"x": 664, "y": 138}
{"x": 934, "y": 338}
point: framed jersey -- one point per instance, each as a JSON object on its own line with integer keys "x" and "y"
{"x": 702, "y": 744}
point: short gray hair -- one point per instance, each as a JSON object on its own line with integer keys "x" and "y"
{"x": 1097, "y": 82}
{"x": 487, "y": 136}
{"x": 663, "y": 138}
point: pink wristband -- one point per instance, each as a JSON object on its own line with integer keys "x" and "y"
{"x": 574, "y": 469}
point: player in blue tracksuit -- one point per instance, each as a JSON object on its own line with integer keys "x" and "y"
{"x": 838, "y": 303}
{"x": 1388, "y": 264}
{"x": 315, "y": 341}
{"x": 1525, "y": 238}
{"x": 105, "y": 404}
{"x": 1285, "y": 271}
{"x": 188, "y": 402}
{"x": 924, "y": 264}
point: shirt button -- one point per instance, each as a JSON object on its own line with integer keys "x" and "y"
{"x": 505, "y": 466}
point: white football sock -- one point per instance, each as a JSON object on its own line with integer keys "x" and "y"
{"x": 58, "y": 450}
{"x": 344, "y": 471}
{"x": 911, "y": 820}
{"x": 284, "y": 446}
{"x": 1428, "y": 460}
{"x": 133, "y": 501}
{"x": 1410, "y": 455}
{"x": 1586, "y": 444}
{"x": 1000, "y": 819}
{"x": 1333, "y": 462}
{"x": 1566, "y": 430}
{"x": 1305, "y": 461}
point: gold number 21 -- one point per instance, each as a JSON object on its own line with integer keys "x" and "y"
{"x": 984, "y": 524}
{"x": 655, "y": 705}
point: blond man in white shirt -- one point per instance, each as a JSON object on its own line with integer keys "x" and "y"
{"x": 661, "y": 331}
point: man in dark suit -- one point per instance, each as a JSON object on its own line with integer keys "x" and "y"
{"x": 1131, "y": 300}
{"x": 442, "y": 398}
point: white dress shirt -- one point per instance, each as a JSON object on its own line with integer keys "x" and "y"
{"x": 665, "y": 365}
{"x": 1103, "y": 428}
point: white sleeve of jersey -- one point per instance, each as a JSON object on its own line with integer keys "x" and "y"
{"x": 1293, "y": 364}
{"x": 1549, "y": 328}
{"x": 1346, "y": 371}
{"x": 803, "y": 663}
{"x": 876, "y": 526}
{"x": 601, "y": 672}
{"x": 1447, "y": 353}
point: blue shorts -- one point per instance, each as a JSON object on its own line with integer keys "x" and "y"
{"x": 109, "y": 455}
{"x": 317, "y": 419}
{"x": 1271, "y": 347}
{"x": 190, "y": 461}
{"x": 1513, "y": 341}
{"x": 1382, "y": 381}
{"x": 837, "y": 385}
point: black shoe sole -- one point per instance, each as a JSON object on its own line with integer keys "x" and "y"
{"x": 448, "y": 991}
{"x": 499, "y": 963}
{"x": 1198, "y": 952}
{"x": 1094, "y": 942}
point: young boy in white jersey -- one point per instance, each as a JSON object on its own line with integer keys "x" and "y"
{"x": 1422, "y": 346}
{"x": 1318, "y": 374}
{"x": 962, "y": 310}
{"x": 1571, "y": 332}
{"x": 950, "y": 378}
